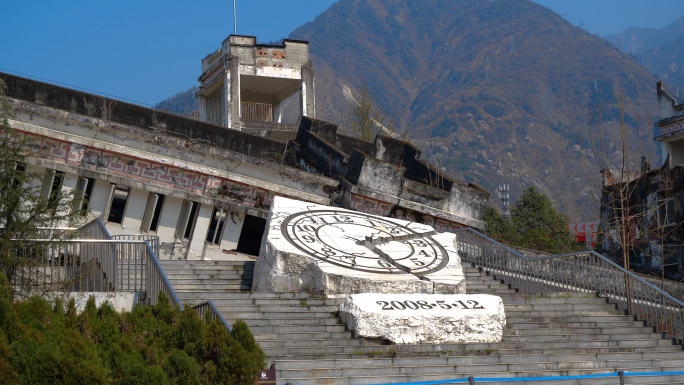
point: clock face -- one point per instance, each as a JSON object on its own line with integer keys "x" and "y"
{"x": 338, "y": 237}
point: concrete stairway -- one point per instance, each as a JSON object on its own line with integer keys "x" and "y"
{"x": 562, "y": 334}
{"x": 208, "y": 276}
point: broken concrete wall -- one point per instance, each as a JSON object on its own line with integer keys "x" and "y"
{"x": 368, "y": 172}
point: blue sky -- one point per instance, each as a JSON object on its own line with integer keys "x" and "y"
{"x": 149, "y": 50}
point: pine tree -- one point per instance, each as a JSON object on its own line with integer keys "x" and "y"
{"x": 30, "y": 202}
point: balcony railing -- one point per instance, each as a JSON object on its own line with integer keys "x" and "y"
{"x": 256, "y": 112}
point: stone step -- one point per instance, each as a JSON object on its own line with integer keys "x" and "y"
{"x": 522, "y": 317}
{"x": 172, "y": 263}
{"x": 679, "y": 379}
{"x": 516, "y": 331}
{"x": 288, "y": 336}
{"x": 659, "y": 358}
{"x": 296, "y": 328}
{"x": 479, "y": 350}
{"x": 272, "y": 302}
{"x": 583, "y": 325}
{"x": 528, "y": 307}
{"x": 212, "y": 281}
{"x": 219, "y": 274}
{"x": 287, "y": 322}
{"x": 589, "y": 336}
{"x": 383, "y": 351}
{"x": 178, "y": 287}
{"x": 250, "y": 295}
{"x": 269, "y": 344}
{"x": 474, "y": 368}
{"x": 204, "y": 268}
{"x": 554, "y": 301}
{"x": 278, "y": 309}
{"x": 272, "y": 315}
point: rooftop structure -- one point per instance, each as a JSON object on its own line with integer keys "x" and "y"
{"x": 244, "y": 84}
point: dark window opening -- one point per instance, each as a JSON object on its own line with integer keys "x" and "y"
{"x": 191, "y": 221}
{"x": 118, "y": 205}
{"x": 19, "y": 173}
{"x": 53, "y": 199}
{"x": 250, "y": 237}
{"x": 88, "y": 191}
{"x": 215, "y": 232}
{"x": 157, "y": 212}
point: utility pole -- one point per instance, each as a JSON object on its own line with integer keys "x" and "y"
{"x": 234, "y": 18}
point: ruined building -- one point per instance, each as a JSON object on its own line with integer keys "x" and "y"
{"x": 653, "y": 200}
{"x": 205, "y": 186}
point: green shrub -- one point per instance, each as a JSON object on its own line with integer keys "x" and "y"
{"x": 44, "y": 344}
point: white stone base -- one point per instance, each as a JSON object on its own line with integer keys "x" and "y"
{"x": 438, "y": 318}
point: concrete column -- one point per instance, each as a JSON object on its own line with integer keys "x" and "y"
{"x": 234, "y": 81}
{"x": 308, "y": 95}
{"x": 101, "y": 198}
{"x": 135, "y": 209}
{"x": 232, "y": 230}
{"x": 199, "y": 235}
{"x": 227, "y": 99}
{"x": 36, "y": 183}
{"x": 203, "y": 108}
{"x": 66, "y": 194}
{"x": 169, "y": 218}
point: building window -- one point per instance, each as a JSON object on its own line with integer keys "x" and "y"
{"x": 150, "y": 221}
{"x": 55, "y": 187}
{"x": 187, "y": 219}
{"x": 215, "y": 232}
{"x": 84, "y": 188}
{"x": 117, "y": 207}
{"x": 665, "y": 211}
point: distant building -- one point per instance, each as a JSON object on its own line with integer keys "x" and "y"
{"x": 655, "y": 200}
{"x": 205, "y": 187}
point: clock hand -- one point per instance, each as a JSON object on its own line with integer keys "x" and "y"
{"x": 399, "y": 238}
{"x": 371, "y": 244}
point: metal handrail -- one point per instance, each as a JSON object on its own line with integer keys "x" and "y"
{"x": 153, "y": 240}
{"x": 582, "y": 271}
{"x": 203, "y": 307}
{"x": 156, "y": 281}
{"x": 98, "y": 263}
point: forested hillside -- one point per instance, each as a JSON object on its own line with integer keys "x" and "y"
{"x": 494, "y": 91}
{"x": 183, "y": 103}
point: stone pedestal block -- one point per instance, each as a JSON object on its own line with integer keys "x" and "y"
{"x": 424, "y": 318}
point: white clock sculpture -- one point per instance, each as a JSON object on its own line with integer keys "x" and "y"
{"x": 312, "y": 248}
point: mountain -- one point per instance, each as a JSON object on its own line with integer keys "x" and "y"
{"x": 183, "y": 103}
{"x": 635, "y": 40}
{"x": 667, "y": 62}
{"x": 493, "y": 91}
